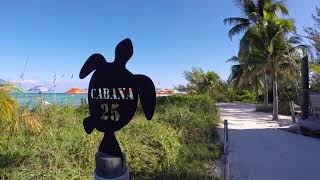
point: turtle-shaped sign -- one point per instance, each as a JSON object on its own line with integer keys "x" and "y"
{"x": 113, "y": 95}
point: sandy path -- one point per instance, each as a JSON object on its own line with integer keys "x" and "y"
{"x": 259, "y": 151}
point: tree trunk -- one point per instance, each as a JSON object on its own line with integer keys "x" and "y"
{"x": 257, "y": 93}
{"x": 305, "y": 88}
{"x": 265, "y": 86}
{"x": 275, "y": 110}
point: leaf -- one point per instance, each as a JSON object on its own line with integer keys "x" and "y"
{"x": 315, "y": 68}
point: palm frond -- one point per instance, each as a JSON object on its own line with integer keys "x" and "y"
{"x": 233, "y": 59}
{"x": 260, "y": 7}
{"x": 286, "y": 24}
{"x": 246, "y": 6}
{"x": 280, "y": 7}
{"x": 235, "y": 21}
{"x": 236, "y": 73}
{"x": 315, "y": 68}
{"x": 238, "y": 29}
{"x": 295, "y": 40}
{"x": 305, "y": 49}
{"x": 275, "y": 7}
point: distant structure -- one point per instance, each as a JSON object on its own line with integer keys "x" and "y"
{"x": 167, "y": 92}
{"x": 76, "y": 91}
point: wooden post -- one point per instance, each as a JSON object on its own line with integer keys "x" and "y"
{"x": 226, "y": 130}
{"x": 225, "y": 152}
{"x": 292, "y": 111}
{"x": 305, "y": 88}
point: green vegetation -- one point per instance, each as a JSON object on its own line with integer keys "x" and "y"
{"x": 241, "y": 96}
{"x": 269, "y": 51}
{"x": 202, "y": 82}
{"x": 284, "y": 108}
{"x": 209, "y": 83}
{"x": 12, "y": 119}
{"x": 179, "y": 143}
{"x": 313, "y": 34}
{"x": 7, "y": 103}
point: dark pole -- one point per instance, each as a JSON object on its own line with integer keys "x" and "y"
{"x": 305, "y": 88}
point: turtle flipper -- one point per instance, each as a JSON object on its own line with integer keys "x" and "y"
{"x": 88, "y": 125}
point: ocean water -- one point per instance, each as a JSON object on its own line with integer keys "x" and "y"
{"x": 50, "y": 98}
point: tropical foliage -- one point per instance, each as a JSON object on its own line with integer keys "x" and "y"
{"x": 201, "y": 82}
{"x": 12, "y": 117}
{"x": 314, "y": 33}
{"x": 268, "y": 50}
{"x": 8, "y": 105}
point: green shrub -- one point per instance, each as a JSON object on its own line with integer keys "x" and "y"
{"x": 203, "y": 102}
{"x": 245, "y": 96}
{"x": 234, "y": 95}
{"x": 262, "y": 108}
{"x": 221, "y": 97}
{"x": 284, "y": 108}
{"x": 179, "y": 143}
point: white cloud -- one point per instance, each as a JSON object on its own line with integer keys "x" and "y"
{"x": 29, "y": 81}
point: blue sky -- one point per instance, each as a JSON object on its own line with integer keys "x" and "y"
{"x": 168, "y": 37}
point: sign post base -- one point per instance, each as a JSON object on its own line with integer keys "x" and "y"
{"x": 110, "y": 167}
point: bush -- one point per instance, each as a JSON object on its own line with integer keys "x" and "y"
{"x": 222, "y": 97}
{"x": 242, "y": 96}
{"x": 262, "y": 108}
{"x": 179, "y": 143}
{"x": 284, "y": 108}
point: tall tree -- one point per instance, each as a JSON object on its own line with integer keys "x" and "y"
{"x": 314, "y": 33}
{"x": 254, "y": 12}
{"x": 272, "y": 47}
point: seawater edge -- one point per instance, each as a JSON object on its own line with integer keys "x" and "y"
{"x": 32, "y": 99}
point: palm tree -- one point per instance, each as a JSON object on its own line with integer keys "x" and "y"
{"x": 272, "y": 47}
{"x": 265, "y": 44}
{"x": 201, "y": 81}
{"x": 244, "y": 75}
{"x": 314, "y": 33}
{"x": 255, "y": 12}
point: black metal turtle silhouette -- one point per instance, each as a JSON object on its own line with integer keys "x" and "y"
{"x": 113, "y": 95}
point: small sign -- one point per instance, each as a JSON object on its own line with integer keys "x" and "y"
{"x": 113, "y": 95}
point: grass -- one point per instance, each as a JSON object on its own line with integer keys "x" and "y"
{"x": 178, "y": 143}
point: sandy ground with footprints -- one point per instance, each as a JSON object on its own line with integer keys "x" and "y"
{"x": 260, "y": 151}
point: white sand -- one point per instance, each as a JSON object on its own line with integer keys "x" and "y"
{"x": 259, "y": 151}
